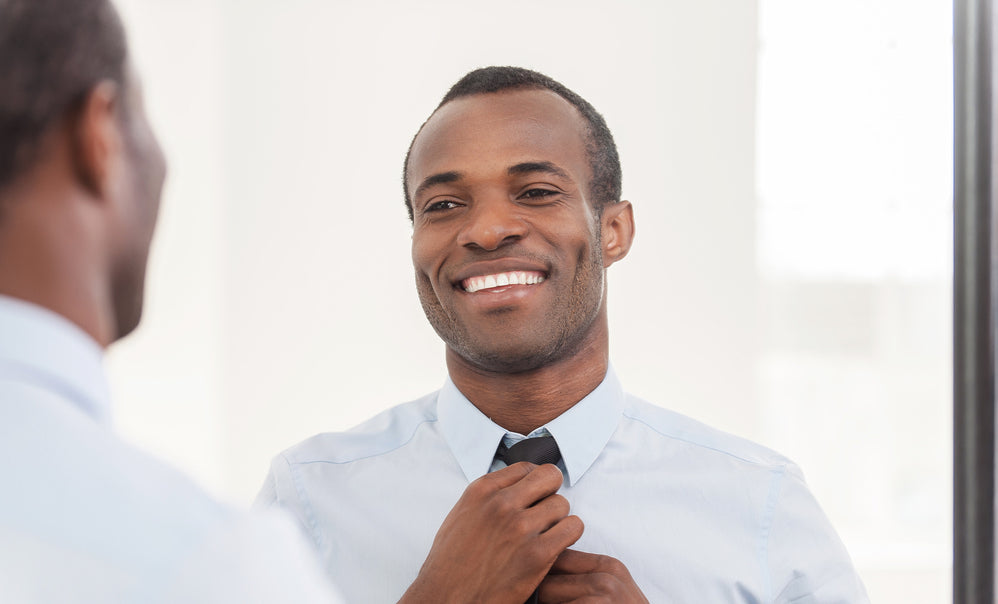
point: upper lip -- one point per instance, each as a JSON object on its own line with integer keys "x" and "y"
{"x": 502, "y": 265}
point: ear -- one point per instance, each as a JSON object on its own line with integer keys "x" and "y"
{"x": 97, "y": 138}
{"x": 618, "y": 231}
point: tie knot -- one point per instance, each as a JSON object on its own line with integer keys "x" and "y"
{"x": 538, "y": 450}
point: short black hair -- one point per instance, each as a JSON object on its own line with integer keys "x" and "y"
{"x": 52, "y": 54}
{"x": 600, "y": 148}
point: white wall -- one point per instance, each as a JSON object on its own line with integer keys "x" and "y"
{"x": 281, "y": 299}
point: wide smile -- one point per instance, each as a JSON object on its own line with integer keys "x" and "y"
{"x": 497, "y": 282}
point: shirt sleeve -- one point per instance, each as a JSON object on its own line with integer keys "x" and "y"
{"x": 258, "y": 558}
{"x": 808, "y": 564}
{"x": 280, "y": 490}
{"x": 267, "y": 497}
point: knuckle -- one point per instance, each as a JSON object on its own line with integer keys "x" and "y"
{"x": 615, "y": 566}
{"x": 575, "y": 524}
{"x": 551, "y": 473}
{"x": 503, "y": 503}
{"x": 605, "y": 583}
{"x": 520, "y": 525}
{"x": 560, "y": 504}
{"x": 480, "y": 487}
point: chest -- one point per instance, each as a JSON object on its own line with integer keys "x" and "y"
{"x": 679, "y": 538}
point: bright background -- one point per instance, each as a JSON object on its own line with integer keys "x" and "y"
{"x": 789, "y": 162}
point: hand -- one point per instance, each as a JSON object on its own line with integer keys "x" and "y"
{"x": 499, "y": 540}
{"x": 591, "y": 578}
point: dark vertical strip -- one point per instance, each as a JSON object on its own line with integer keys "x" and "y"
{"x": 973, "y": 328}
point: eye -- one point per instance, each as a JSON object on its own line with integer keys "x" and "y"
{"x": 441, "y": 206}
{"x": 536, "y": 193}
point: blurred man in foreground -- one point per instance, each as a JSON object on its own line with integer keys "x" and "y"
{"x": 85, "y": 517}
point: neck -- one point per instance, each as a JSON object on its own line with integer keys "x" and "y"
{"x": 522, "y": 402}
{"x": 49, "y": 259}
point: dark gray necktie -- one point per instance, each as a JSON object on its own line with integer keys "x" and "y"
{"x": 538, "y": 450}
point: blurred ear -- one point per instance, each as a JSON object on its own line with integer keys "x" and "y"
{"x": 618, "y": 231}
{"x": 97, "y": 138}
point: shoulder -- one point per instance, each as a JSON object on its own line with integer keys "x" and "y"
{"x": 676, "y": 429}
{"x": 94, "y": 517}
{"x": 90, "y": 500}
{"x": 383, "y": 433}
{"x": 75, "y": 458}
{"x": 259, "y": 556}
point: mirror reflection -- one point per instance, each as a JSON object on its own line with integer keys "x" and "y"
{"x": 789, "y": 165}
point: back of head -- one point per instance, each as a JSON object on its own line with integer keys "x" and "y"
{"x": 52, "y": 52}
{"x": 605, "y": 187}
{"x": 80, "y": 169}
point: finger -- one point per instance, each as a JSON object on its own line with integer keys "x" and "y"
{"x": 563, "y": 534}
{"x": 573, "y": 588}
{"x": 548, "y": 511}
{"x": 508, "y": 476}
{"x": 581, "y": 600}
{"x": 574, "y": 562}
{"x": 562, "y": 588}
{"x": 541, "y": 482}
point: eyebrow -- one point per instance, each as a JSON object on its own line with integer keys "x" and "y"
{"x": 437, "y": 179}
{"x": 537, "y": 166}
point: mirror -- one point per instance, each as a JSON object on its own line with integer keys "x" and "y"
{"x": 789, "y": 162}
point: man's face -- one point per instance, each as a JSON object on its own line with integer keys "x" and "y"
{"x": 138, "y": 191}
{"x": 506, "y": 245}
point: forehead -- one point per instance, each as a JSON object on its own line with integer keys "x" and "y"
{"x": 497, "y": 130}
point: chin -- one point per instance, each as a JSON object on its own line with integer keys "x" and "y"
{"x": 128, "y": 304}
{"x": 127, "y": 322}
{"x": 128, "y": 293}
{"x": 507, "y": 360}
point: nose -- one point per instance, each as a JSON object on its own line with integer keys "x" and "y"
{"x": 492, "y": 223}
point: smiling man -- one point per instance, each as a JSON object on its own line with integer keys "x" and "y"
{"x": 513, "y": 186}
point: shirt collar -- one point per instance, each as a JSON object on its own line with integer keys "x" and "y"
{"x": 44, "y": 348}
{"x": 581, "y": 432}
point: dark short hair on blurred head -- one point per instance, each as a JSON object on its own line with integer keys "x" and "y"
{"x": 52, "y": 53}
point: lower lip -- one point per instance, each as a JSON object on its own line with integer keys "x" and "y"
{"x": 501, "y": 296}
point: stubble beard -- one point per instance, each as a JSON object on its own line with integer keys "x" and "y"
{"x": 145, "y": 190}
{"x": 560, "y": 339}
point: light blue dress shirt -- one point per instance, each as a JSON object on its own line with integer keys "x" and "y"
{"x": 87, "y": 518}
{"x": 696, "y": 515}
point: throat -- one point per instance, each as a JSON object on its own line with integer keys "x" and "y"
{"x": 523, "y": 402}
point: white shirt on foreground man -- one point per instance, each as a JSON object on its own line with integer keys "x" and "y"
{"x": 86, "y": 517}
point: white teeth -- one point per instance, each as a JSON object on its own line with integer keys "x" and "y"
{"x": 475, "y": 284}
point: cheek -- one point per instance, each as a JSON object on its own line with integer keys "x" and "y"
{"x": 419, "y": 255}
{"x": 578, "y": 243}
{"x": 426, "y": 254}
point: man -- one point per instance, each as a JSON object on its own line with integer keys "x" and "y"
{"x": 513, "y": 187}
{"x": 85, "y": 517}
